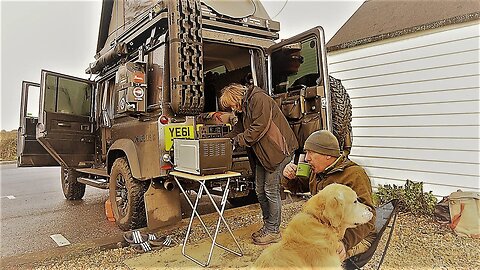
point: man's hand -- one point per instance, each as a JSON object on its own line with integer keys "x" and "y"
{"x": 342, "y": 253}
{"x": 290, "y": 171}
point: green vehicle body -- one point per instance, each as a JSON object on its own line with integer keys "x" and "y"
{"x": 159, "y": 68}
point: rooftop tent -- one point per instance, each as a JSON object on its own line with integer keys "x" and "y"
{"x": 117, "y": 15}
{"x": 237, "y": 8}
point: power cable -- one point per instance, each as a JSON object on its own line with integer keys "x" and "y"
{"x": 286, "y": 1}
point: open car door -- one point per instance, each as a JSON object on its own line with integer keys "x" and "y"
{"x": 29, "y": 151}
{"x": 299, "y": 82}
{"x": 66, "y": 123}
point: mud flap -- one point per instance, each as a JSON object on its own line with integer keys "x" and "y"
{"x": 162, "y": 206}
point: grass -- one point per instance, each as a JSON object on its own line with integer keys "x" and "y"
{"x": 8, "y": 145}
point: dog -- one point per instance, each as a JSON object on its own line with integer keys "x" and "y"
{"x": 311, "y": 238}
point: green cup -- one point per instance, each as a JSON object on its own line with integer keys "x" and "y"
{"x": 303, "y": 169}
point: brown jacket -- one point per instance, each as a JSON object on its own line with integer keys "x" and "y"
{"x": 346, "y": 172}
{"x": 265, "y": 129}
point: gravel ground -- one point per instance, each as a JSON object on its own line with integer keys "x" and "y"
{"x": 417, "y": 243}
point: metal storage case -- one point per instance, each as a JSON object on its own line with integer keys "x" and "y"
{"x": 202, "y": 156}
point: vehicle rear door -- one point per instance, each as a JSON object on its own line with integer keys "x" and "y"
{"x": 66, "y": 122}
{"x": 299, "y": 83}
{"x": 30, "y": 153}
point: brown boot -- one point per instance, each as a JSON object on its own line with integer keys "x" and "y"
{"x": 258, "y": 233}
{"x": 266, "y": 238}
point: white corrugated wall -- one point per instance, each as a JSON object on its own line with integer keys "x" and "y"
{"x": 416, "y": 107}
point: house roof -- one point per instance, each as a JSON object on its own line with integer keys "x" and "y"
{"x": 377, "y": 20}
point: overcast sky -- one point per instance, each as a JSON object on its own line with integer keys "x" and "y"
{"x": 62, "y": 36}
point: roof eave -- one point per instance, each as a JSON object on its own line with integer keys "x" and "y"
{"x": 433, "y": 25}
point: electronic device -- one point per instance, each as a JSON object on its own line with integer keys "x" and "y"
{"x": 202, "y": 156}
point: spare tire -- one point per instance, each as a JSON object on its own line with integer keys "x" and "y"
{"x": 341, "y": 114}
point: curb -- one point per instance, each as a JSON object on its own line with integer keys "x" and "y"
{"x": 3, "y": 162}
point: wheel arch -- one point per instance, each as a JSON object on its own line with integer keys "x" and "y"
{"x": 124, "y": 148}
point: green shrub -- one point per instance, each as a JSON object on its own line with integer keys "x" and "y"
{"x": 411, "y": 197}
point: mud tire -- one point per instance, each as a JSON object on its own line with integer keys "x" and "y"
{"x": 72, "y": 190}
{"x": 341, "y": 112}
{"x": 128, "y": 207}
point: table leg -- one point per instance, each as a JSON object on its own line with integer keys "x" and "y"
{"x": 221, "y": 218}
{"x": 217, "y": 228}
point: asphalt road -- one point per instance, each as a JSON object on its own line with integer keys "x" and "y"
{"x": 39, "y": 210}
{"x": 33, "y": 208}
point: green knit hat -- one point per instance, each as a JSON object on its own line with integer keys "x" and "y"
{"x": 323, "y": 142}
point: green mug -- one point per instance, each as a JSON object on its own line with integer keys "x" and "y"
{"x": 303, "y": 169}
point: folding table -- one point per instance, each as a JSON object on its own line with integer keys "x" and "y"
{"x": 202, "y": 179}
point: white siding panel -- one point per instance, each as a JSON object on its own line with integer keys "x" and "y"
{"x": 397, "y": 77}
{"x": 455, "y": 181}
{"x": 452, "y": 53}
{"x": 416, "y": 108}
{"x": 429, "y": 40}
{"x": 471, "y": 119}
{"x": 414, "y": 86}
{"x": 436, "y": 157}
{"x": 439, "y": 189}
{"x": 418, "y": 164}
{"x": 419, "y": 132}
{"x": 469, "y": 94}
{"x": 417, "y": 144}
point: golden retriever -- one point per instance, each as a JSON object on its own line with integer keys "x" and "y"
{"x": 311, "y": 238}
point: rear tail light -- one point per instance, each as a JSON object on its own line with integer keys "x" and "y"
{"x": 166, "y": 167}
{"x": 163, "y": 119}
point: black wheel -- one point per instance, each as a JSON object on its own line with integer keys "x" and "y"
{"x": 341, "y": 113}
{"x": 126, "y": 196}
{"x": 245, "y": 200}
{"x": 72, "y": 189}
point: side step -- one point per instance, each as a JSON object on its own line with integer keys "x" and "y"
{"x": 98, "y": 183}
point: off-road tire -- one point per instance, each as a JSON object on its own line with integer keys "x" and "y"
{"x": 129, "y": 207}
{"x": 72, "y": 190}
{"x": 341, "y": 112}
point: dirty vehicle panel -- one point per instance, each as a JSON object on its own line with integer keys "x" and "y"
{"x": 159, "y": 69}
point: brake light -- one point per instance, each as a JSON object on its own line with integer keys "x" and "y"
{"x": 163, "y": 119}
{"x": 166, "y": 167}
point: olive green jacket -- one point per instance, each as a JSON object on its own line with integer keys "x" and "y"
{"x": 346, "y": 172}
{"x": 265, "y": 129}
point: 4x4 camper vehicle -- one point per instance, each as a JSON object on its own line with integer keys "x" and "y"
{"x": 158, "y": 74}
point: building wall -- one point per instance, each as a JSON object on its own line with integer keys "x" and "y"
{"x": 416, "y": 107}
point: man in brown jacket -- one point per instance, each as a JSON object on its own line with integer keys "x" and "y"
{"x": 263, "y": 129}
{"x": 329, "y": 166}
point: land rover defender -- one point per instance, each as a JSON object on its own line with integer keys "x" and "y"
{"x": 157, "y": 76}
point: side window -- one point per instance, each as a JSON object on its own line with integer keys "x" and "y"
{"x": 156, "y": 73}
{"x": 33, "y": 101}
{"x": 67, "y": 96}
{"x": 294, "y": 65}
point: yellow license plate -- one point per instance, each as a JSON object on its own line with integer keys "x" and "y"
{"x": 177, "y": 132}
